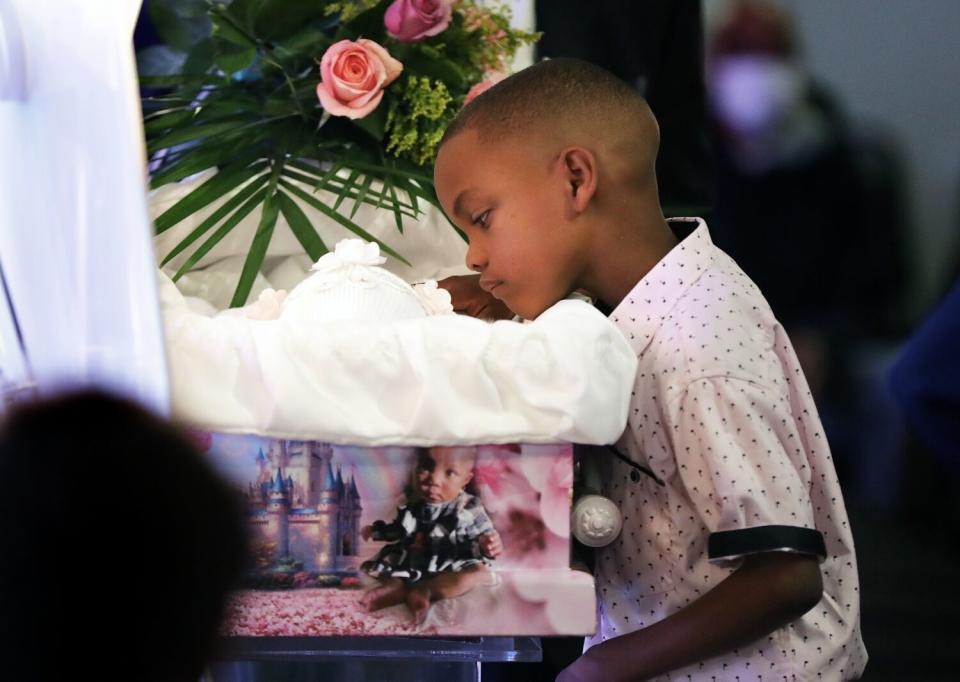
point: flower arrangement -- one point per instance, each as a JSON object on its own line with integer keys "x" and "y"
{"x": 285, "y": 96}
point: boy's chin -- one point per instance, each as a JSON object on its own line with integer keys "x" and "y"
{"x": 530, "y": 312}
{"x": 529, "y": 308}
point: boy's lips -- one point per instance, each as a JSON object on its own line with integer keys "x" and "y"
{"x": 489, "y": 285}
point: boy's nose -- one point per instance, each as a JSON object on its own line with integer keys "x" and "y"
{"x": 476, "y": 257}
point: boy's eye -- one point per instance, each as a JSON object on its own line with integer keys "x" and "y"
{"x": 451, "y": 472}
{"x": 481, "y": 219}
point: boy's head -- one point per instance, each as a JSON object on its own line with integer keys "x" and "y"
{"x": 442, "y": 472}
{"x": 541, "y": 171}
{"x": 110, "y": 516}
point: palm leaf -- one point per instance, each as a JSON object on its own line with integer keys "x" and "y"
{"x": 166, "y": 119}
{"x": 215, "y": 217}
{"x": 362, "y": 194}
{"x": 388, "y": 184}
{"x": 335, "y": 186}
{"x": 225, "y": 180}
{"x": 343, "y": 220}
{"x": 224, "y": 229}
{"x": 194, "y": 132}
{"x": 187, "y": 163}
{"x": 329, "y": 180}
{"x": 258, "y": 249}
{"x": 301, "y": 227}
{"x": 349, "y": 185}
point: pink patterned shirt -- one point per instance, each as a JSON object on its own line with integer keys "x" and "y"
{"x": 734, "y": 462}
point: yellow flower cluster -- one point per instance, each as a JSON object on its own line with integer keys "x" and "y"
{"x": 416, "y": 120}
{"x": 349, "y": 9}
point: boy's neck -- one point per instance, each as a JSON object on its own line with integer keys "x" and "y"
{"x": 623, "y": 256}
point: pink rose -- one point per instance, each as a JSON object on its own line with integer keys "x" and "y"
{"x": 488, "y": 82}
{"x": 353, "y": 76}
{"x": 413, "y": 20}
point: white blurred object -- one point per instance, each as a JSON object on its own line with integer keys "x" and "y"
{"x": 268, "y": 306}
{"x": 289, "y": 271}
{"x": 595, "y": 521}
{"x": 433, "y": 299}
{"x": 13, "y": 69}
{"x": 348, "y": 284}
{"x": 353, "y": 330}
{"x": 216, "y": 283}
{"x": 74, "y": 234}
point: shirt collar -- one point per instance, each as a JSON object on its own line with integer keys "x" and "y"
{"x": 642, "y": 311}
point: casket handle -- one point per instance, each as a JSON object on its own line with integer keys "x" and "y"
{"x": 595, "y": 520}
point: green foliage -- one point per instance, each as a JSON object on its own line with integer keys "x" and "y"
{"x": 235, "y": 89}
{"x": 418, "y": 118}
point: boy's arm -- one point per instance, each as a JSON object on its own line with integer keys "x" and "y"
{"x": 768, "y": 591}
{"x": 468, "y": 298}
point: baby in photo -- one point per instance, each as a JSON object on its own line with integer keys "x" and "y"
{"x": 441, "y": 542}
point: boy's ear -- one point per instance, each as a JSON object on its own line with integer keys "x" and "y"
{"x": 578, "y": 168}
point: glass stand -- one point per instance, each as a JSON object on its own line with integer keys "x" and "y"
{"x": 366, "y": 659}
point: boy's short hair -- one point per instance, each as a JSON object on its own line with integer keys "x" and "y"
{"x": 550, "y": 91}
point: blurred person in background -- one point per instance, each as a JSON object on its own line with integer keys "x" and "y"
{"x": 119, "y": 543}
{"x": 813, "y": 213}
{"x": 926, "y": 380}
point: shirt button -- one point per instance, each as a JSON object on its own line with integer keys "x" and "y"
{"x": 634, "y": 475}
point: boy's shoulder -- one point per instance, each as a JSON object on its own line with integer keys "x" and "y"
{"x": 697, "y": 314}
{"x": 721, "y": 325}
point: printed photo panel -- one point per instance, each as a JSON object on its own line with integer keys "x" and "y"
{"x": 351, "y": 540}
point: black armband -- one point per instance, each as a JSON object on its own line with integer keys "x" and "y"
{"x": 732, "y": 544}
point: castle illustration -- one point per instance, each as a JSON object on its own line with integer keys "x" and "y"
{"x": 300, "y": 505}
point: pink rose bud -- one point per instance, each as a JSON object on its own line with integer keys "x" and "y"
{"x": 488, "y": 82}
{"x": 412, "y": 20}
{"x": 353, "y": 76}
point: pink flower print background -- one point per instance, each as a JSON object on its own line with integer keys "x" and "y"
{"x": 527, "y": 495}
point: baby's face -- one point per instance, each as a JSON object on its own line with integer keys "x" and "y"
{"x": 510, "y": 201}
{"x": 442, "y": 473}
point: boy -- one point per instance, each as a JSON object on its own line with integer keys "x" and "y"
{"x": 736, "y": 559}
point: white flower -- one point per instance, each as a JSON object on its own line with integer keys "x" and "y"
{"x": 435, "y": 301}
{"x": 268, "y": 306}
{"x": 350, "y": 252}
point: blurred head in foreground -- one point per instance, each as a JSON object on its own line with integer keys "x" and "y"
{"x": 119, "y": 543}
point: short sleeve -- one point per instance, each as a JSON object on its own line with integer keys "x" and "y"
{"x": 741, "y": 460}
